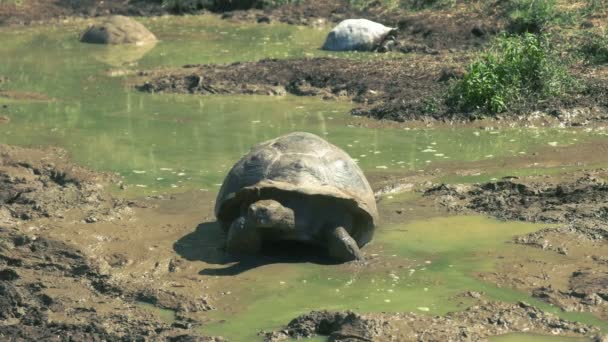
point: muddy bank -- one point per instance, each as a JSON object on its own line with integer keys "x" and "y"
{"x": 569, "y": 269}
{"x": 368, "y": 83}
{"x": 382, "y": 89}
{"x": 30, "y": 11}
{"x": 581, "y": 198}
{"x": 37, "y": 183}
{"x": 481, "y": 320}
{"x": 50, "y": 287}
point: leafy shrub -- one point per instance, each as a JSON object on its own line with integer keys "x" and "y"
{"x": 513, "y": 70}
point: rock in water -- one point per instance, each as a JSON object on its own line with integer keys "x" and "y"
{"x": 356, "y": 35}
{"x": 117, "y": 29}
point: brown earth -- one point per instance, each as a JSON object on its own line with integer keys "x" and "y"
{"x": 49, "y": 287}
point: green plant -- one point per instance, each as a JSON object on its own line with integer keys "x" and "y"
{"x": 530, "y": 16}
{"x": 595, "y": 47}
{"x": 595, "y": 6}
{"x": 430, "y": 105}
{"x": 513, "y": 69}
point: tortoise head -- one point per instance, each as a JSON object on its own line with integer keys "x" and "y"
{"x": 270, "y": 214}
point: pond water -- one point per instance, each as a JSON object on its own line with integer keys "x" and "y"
{"x": 162, "y": 143}
{"x": 178, "y": 142}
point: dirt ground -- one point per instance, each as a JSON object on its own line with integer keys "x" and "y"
{"x": 51, "y": 287}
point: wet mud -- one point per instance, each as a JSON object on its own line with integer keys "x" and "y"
{"x": 571, "y": 271}
{"x": 483, "y": 319}
{"x": 49, "y": 286}
{"x": 381, "y": 88}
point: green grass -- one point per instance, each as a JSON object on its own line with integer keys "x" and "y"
{"x": 593, "y": 7}
{"x": 595, "y": 47}
{"x": 512, "y": 71}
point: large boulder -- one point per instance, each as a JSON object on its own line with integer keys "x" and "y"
{"x": 117, "y": 29}
{"x": 357, "y": 35}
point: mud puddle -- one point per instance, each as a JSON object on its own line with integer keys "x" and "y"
{"x": 576, "y": 202}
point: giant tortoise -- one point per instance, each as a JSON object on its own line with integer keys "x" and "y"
{"x": 360, "y": 35}
{"x": 297, "y": 187}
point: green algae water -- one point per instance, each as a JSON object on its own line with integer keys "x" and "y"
{"x": 179, "y": 142}
{"x": 423, "y": 271}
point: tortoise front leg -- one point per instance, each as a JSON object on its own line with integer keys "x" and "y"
{"x": 243, "y": 238}
{"x": 341, "y": 246}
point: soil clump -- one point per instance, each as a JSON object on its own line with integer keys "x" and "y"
{"x": 35, "y": 183}
{"x": 49, "y": 287}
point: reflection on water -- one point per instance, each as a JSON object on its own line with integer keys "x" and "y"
{"x": 121, "y": 55}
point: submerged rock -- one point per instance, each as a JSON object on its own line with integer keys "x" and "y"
{"x": 117, "y": 29}
{"x": 357, "y": 35}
